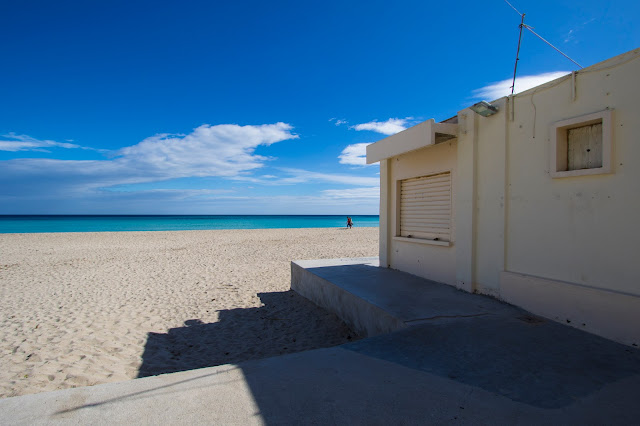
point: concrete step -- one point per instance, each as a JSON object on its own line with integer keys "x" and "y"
{"x": 374, "y": 300}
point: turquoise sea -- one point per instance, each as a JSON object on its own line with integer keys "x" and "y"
{"x": 31, "y": 224}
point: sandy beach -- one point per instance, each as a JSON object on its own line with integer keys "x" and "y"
{"x": 79, "y": 309}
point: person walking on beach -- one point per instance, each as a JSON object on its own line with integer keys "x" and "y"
{"x": 349, "y": 222}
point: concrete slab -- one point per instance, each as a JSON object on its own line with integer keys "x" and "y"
{"x": 546, "y": 365}
{"x": 210, "y": 395}
{"x": 374, "y": 300}
{"x": 400, "y": 378}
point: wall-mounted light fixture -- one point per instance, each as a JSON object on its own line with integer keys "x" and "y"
{"x": 484, "y": 109}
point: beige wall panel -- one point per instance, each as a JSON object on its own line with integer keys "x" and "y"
{"x": 490, "y": 203}
{"x": 612, "y": 315}
{"x": 582, "y": 229}
{"x": 465, "y": 199}
{"x": 435, "y": 262}
{"x": 384, "y": 237}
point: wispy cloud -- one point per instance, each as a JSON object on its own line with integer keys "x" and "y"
{"x": 389, "y": 127}
{"x": 118, "y": 184}
{"x": 302, "y": 176}
{"x": 503, "y": 88}
{"x": 14, "y": 142}
{"x": 176, "y": 194}
{"x": 188, "y": 201}
{"x": 353, "y": 193}
{"x": 330, "y": 201}
{"x": 222, "y": 150}
{"x": 338, "y": 121}
{"x": 293, "y": 176}
{"x": 355, "y": 155}
{"x": 571, "y": 35}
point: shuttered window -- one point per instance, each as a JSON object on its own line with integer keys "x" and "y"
{"x": 425, "y": 207}
{"x": 584, "y": 146}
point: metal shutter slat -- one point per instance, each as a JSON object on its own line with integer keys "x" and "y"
{"x": 425, "y": 207}
{"x": 443, "y": 184}
{"x": 433, "y": 178}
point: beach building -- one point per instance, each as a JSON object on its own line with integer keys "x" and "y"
{"x": 533, "y": 199}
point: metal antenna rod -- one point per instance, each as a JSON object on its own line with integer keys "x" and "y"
{"x": 523, "y": 25}
{"x": 513, "y": 7}
{"x": 515, "y": 66}
{"x": 558, "y": 50}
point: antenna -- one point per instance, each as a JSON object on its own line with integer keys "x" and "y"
{"x": 515, "y": 66}
{"x": 559, "y": 51}
{"x": 530, "y": 28}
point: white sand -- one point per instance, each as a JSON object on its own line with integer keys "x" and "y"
{"x": 80, "y": 309}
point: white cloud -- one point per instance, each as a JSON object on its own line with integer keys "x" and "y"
{"x": 296, "y": 176}
{"x": 222, "y": 150}
{"x": 228, "y": 151}
{"x": 352, "y": 193}
{"x": 338, "y": 121}
{"x": 302, "y": 176}
{"x": 355, "y": 155}
{"x": 389, "y": 127}
{"x": 13, "y": 142}
{"x": 330, "y": 201}
{"x": 503, "y": 88}
{"x": 190, "y": 202}
{"x": 571, "y": 35}
{"x": 175, "y": 193}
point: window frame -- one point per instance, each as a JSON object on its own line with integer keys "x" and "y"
{"x": 558, "y": 138}
{"x": 419, "y": 240}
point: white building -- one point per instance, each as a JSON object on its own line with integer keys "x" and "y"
{"x": 538, "y": 204}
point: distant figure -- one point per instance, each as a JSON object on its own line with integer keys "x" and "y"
{"x": 349, "y": 222}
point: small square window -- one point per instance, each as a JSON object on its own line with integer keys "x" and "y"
{"x": 581, "y": 145}
{"x": 584, "y": 147}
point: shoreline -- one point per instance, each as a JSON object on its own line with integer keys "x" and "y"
{"x": 82, "y": 308}
{"x": 187, "y": 230}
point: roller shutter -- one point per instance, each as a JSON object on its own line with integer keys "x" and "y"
{"x": 425, "y": 207}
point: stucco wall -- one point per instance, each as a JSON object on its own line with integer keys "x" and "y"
{"x": 581, "y": 233}
{"x": 566, "y": 248}
{"x": 490, "y": 201}
{"x": 434, "y": 262}
{"x": 584, "y": 229}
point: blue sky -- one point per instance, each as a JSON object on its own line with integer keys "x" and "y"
{"x": 254, "y": 107}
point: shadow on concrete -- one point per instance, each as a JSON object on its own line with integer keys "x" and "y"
{"x": 287, "y": 323}
{"x": 541, "y": 363}
{"x": 472, "y": 339}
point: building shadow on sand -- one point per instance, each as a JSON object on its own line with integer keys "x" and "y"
{"x": 286, "y": 323}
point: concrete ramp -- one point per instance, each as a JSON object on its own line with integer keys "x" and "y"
{"x": 374, "y": 300}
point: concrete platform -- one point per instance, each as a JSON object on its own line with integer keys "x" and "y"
{"x": 373, "y": 300}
